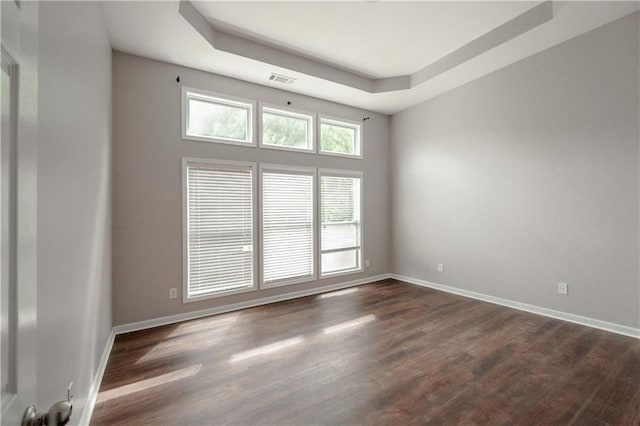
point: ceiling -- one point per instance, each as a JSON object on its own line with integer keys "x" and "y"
{"x": 364, "y": 40}
{"x": 376, "y": 39}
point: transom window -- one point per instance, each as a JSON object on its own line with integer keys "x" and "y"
{"x": 212, "y": 118}
{"x": 339, "y": 137}
{"x": 287, "y": 129}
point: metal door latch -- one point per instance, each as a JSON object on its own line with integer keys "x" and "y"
{"x": 58, "y": 414}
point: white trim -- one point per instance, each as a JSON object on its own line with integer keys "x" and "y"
{"x": 220, "y": 99}
{"x": 564, "y": 316}
{"x": 185, "y": 226}
{"x": 287, "y": 281}
{"x": 343, "y": 272}
{"x": 172, "y": 319}
{"x": 341, "y": 122}
{"x": 303, "y": 170}
{"x": 310, "y": 117}
{"x": 94, "y": 388}
{"x": 9, "y": 195}
{"x": 340, "y": 173}
{"x": 306, "y": 171}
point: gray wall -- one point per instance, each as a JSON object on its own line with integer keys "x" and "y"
{"x": 528, "y": 177}
{"x": 74, "y": 199}
{"x": 147, "y": 212}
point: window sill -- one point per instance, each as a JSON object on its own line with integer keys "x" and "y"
{"x": 186, "y": 299}
{"x": 288, "y": 282}
{"x": 341, "y": 273}
{"x": 218, "y": 140}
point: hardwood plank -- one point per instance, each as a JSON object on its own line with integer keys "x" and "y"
{"x": 384, "y": 353}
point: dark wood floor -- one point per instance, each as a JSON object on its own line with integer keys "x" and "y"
{"x": 383, "y": 353}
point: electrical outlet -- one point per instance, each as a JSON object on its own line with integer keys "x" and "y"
{"x": 367, "y": 263}
{"x": 173, "y": 293}
{"x": 440, "y": 267}
{"x": 563, "y": 288}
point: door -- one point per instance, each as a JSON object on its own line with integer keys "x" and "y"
{"x": 18, "y": 250}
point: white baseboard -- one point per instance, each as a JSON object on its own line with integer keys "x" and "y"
{"x": 92, "y": 395}
{"x": 577, "y": 319}
{"x": 172, "y": 319}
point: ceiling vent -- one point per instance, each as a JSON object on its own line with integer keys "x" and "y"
{"x": 281, "y": 78}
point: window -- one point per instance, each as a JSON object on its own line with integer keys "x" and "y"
{"x": 340, "y": 137}
{"x": 211, "y": 118}
{"x": 286, "y": 129}
{"x": 341, "y": 222}
{"x": 287, "y": 225}
{"x": 219, "y": 233}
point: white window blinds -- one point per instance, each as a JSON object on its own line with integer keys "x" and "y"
{"x": 220, "y": 239}
{"x": 340, "y": 215}
{"x": 287, "y": 226}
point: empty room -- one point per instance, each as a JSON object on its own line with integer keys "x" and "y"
{"x": 320, "y": 213}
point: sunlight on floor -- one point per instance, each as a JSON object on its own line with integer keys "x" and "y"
{"x": 338, "y": 293}
{"x": 349, "y": 324}
{"x": 214, "y": 322}
{"x": 267, "y": 349}
{"x": 148, "y": 383}
{"x": 182, "y": 340}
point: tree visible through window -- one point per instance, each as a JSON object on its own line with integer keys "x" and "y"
{"x": 287, "y": 129}
{"x": 219, "y": 119}
{"x": 339, "y": 137}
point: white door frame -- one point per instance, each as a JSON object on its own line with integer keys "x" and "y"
{"x": 19, "y": 39}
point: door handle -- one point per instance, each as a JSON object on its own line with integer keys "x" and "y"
{"x": 58, "y": 414}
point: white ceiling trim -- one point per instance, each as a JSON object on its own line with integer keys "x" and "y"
{"x": 237, "y": 45}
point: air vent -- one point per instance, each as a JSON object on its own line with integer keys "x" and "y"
{"x": 281, "y": 78}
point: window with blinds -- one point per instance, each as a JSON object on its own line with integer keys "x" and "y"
{"x": 219, "y": 235}
{"x": 287, "y": 226}
{"x": 341, "y": 222}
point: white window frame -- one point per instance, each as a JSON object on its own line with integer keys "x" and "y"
{"x": 185, "y": 227}
{"x": 294, "y": 113}
{"x": 314, "y": 226}
{"x": 340, "y": 173}
{"x": 216, "y": 98}
{"x": 358, "y": 126}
